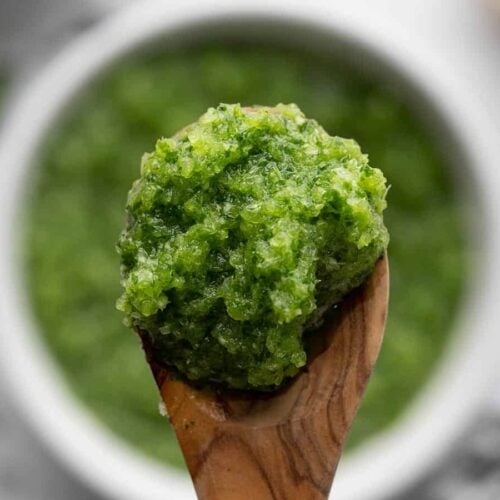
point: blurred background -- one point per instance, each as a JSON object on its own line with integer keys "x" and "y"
{"x": 465, "y": 33}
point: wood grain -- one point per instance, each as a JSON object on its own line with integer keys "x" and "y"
{"x": 242, "y": 446}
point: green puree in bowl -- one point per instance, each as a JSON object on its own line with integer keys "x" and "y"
{"x": 242, "y": 229}
{"x": 90, "y": 161}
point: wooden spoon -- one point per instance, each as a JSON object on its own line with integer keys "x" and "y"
{"x": 284, "y": 445}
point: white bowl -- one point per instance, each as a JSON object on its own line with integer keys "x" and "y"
{"x": 382, "y": 466}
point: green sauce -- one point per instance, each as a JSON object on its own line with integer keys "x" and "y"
{"x": 242, "y": 228}
{"x": 76, "y": 213}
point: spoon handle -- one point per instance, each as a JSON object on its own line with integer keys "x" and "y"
{"x": 292, "y": 460}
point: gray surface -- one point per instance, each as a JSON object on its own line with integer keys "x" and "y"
{"x": 472, "y": 471}
{"x": 27, "y": 471}
{"x": 461, "y": 31}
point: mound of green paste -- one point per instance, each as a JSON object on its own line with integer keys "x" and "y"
{"x": 241, "y": 231}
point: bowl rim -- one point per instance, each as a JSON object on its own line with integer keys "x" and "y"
{"x": 438, "y": 415}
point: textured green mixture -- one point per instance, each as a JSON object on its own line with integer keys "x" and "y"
{"x": 75, "y": 213}
{"x": 241, "y": 230}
